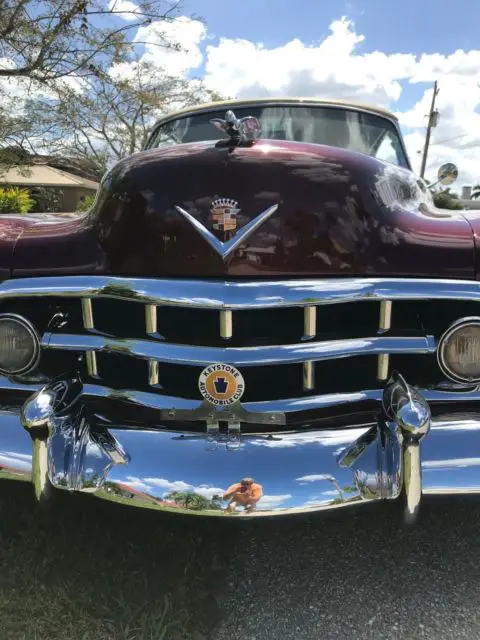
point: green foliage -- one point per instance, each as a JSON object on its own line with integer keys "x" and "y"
{"x": 15, "y": 200}
{"x": 46, "y": 199}
{"x": 446, "y": 200}
{"x": 86, "y": 203}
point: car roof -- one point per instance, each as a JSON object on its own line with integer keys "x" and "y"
{"x": 231, "y": 104}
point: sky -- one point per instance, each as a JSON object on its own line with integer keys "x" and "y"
{"x": 386, "y": 52}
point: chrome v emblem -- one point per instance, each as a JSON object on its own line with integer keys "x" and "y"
{"x": 224, "y": 249}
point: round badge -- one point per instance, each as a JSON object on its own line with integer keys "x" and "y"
{"x": 221, "y": 384}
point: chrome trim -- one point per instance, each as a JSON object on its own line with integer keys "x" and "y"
{"x": 35, "y": 339}
{"x": 224, "y": 249}
{"x": 226, "y": 324}
{"x": 458, "y": 324}
{"x": 257, "y": 294}
{"x": 241, "y": 356}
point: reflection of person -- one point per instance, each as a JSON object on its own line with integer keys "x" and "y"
{"x": 245, "y": 493}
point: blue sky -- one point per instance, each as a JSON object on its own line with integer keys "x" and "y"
{"x": 389, "y": 25}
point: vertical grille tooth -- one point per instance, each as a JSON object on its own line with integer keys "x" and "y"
{"x": 385, "y": 323}
{"x": 309, "y": 332}
{"x": 309, "y": 322}
{"x": 88, "y": 323}
{"x": 87, "y": 313}
{"x": 151, "y": 318}
{"x": 153, "y": 378}
{"x": 308, "y": 376}
{"x": 92, "y": 368}
{"x": 226, "y": 324}
{"x": 151, "y": 327}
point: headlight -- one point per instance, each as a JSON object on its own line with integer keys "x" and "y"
{"x": 19, "y": 345}
{"x": 459, "y": 351}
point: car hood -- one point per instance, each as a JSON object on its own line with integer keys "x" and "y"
{"x": 180, "y": 212}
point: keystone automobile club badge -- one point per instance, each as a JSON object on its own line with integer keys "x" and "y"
{"x": 224, "y": 214}
{"x": 221, "y": 384}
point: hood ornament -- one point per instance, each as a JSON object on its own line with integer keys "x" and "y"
{"x": 237, "y": 128}
{"x": 223, "y": 215}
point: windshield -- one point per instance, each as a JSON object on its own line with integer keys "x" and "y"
{"x": 337, "y": 127}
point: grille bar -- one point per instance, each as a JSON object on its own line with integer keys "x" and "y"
{"x": 249, "y": 356}
{"x": 289, "y": 405}
{"x": 259, "y": 294}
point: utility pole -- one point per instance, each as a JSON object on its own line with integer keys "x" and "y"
{"x": 432, "y": 122}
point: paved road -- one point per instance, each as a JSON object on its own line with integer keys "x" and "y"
{"x": 369, "y": 577}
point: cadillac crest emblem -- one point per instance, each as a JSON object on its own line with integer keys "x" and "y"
{"x": 224, "y": 214}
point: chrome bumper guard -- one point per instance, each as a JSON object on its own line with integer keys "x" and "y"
{"x": 65, "y": 447}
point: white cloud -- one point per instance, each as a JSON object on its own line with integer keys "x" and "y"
{"x": 137, "y": 484}
{"x": 242, "y": 68}
{"x": 273, "y": 501}
{"x": 323, "y": 438}
{"x": 451, "y": 463}
{"x": 314, "y": 477}
{"x": 184, "y": 32}
{"x": 168, "y": 486}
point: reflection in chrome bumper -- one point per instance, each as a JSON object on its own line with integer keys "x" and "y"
{"x": 190, "y": 473}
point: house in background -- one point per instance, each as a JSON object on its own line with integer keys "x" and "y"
{"x": 74, "y": 187}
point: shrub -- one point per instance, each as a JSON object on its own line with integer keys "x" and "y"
{"x": 86, "y": 203}
{"x": 15, "y": 200}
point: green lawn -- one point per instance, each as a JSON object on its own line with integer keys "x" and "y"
{"x": 89, "y": 569}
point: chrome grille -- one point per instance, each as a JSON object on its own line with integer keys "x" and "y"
{"x": 320, "y": 316}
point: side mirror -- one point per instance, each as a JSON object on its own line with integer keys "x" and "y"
{"x": 447, "y": 173}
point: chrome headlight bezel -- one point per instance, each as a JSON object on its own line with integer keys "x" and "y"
{"x": 28, "y": 326}
{"x": 473, "y": 321}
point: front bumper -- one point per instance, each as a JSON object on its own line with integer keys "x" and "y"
{"x": 56, "y": 442}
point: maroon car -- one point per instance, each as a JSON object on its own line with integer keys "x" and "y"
{"x": 264, "y": 298}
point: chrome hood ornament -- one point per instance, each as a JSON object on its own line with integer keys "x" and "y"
{"x": 227, "y": 221}
{"x": 237, "y": 128}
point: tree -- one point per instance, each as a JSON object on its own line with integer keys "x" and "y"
{"x": 445, "y": 199}
{"x": 476, "y": 192}
{"x": 195, "y": 501}
{"x": 110, "y": 117}
{"x": 45, "y": 40}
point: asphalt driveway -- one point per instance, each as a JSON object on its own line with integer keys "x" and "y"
{"x": 88, "y": 570}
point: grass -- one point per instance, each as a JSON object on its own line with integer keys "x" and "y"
{"x": 86, "y": 569}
